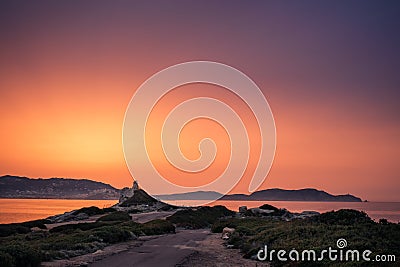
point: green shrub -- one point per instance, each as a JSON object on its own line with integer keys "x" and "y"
{"x": 116, "y": 216}
{"x": 107, "y": 210}
{"x": 81, "y": 226}
{"x": 219, "y": 225}
{"x": 12, "y": 229}
{"x": 22, "y": 255}
{"x": 89, "y": 211}
{"x": 343, "y": 217}
{"x": 72, "y": 240}
{"x": 168, "y": 207}
{"x": 200, "y": 217}
{"x": 318, "y": 233}
{"x": 21, "y": 228}
{"x": 112, "y": 234}
{"x": 249, "y": 213}
{"x": 134, "y": 211}
{"x": 6, "y": 260}
{"x": 36, "y": 223}
{"x": 133, "y": 227}
{"x": 158, "y": 227}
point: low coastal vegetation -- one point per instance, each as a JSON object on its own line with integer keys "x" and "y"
{"x": 115, "y": 216}
{"x": 157, "y": 227}
{"x": 22, "y": 246}
{"x": 21, "y": 228}
{"x": 201, "y": 217}
{"x": 314, "y": 233}
{"x": 93, "y": 211}
{"x": 30, "y": 243}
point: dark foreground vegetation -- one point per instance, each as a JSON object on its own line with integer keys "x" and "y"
{"x": 29, "y": 243}
{"x": 201, "y": 217}
{"x": 20, "y": 246}
{"x": 315, "y": 233}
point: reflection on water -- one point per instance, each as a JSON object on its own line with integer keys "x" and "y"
{"x": 20, "y": 210}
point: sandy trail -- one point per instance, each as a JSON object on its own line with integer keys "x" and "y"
{"x": 166, "y": 250}
{"x": 197, "y": 248}
{"x": 211, "y": 252}
{"x": 194, "y": 248}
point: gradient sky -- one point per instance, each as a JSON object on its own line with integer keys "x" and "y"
{"x": 330, "y": 71}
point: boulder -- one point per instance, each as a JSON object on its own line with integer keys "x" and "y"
{"x": 227, "y": 232}
{"x": 242, "y": 209}
{"x": 261, "y": 211}
{"x": 81, "y": 216}
{"x": 309, "y": 213}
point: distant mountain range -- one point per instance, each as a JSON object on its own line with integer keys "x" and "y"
{"x": 63, "y": 188}
{"x": 276, "y": 194}
{"x": 23, "y": 187}
{"x": 307, "y": 194}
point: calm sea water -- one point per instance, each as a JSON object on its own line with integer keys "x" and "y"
{"x": 19, "y": 210}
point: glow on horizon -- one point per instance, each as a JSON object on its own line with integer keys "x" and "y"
{"x": 330, "y": 75}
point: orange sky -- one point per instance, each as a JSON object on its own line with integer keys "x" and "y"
{"x": 67, "y": 76}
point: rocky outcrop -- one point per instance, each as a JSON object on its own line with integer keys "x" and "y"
{"x": 272, "y": 212}
{"x": 227, "y": 233}
{"x": 137, "y": 199}
{"x": 242, "y": 209}
{"x": 68, "y": 217}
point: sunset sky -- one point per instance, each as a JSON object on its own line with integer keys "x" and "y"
{"x": 329, "y": 70}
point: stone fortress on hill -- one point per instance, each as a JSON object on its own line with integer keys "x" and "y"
{"x": 137, "y": 199}
{"x": 127, "y": 192}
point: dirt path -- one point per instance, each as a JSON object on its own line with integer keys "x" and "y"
{"x": 197, "y": 248}
{"x": 166, "y": 250}
{"x": 212, "y": 253}
{"x": 194, "y": 248}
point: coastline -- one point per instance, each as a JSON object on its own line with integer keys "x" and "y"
{"x": 185, "y": 236}
{"x": 19, "y": 210}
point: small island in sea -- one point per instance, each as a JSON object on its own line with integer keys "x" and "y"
{"x": 186, "y": 236}
{"x": 275, "y": 194}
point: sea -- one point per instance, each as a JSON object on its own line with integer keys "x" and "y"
{"x": 20, "y": 210}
